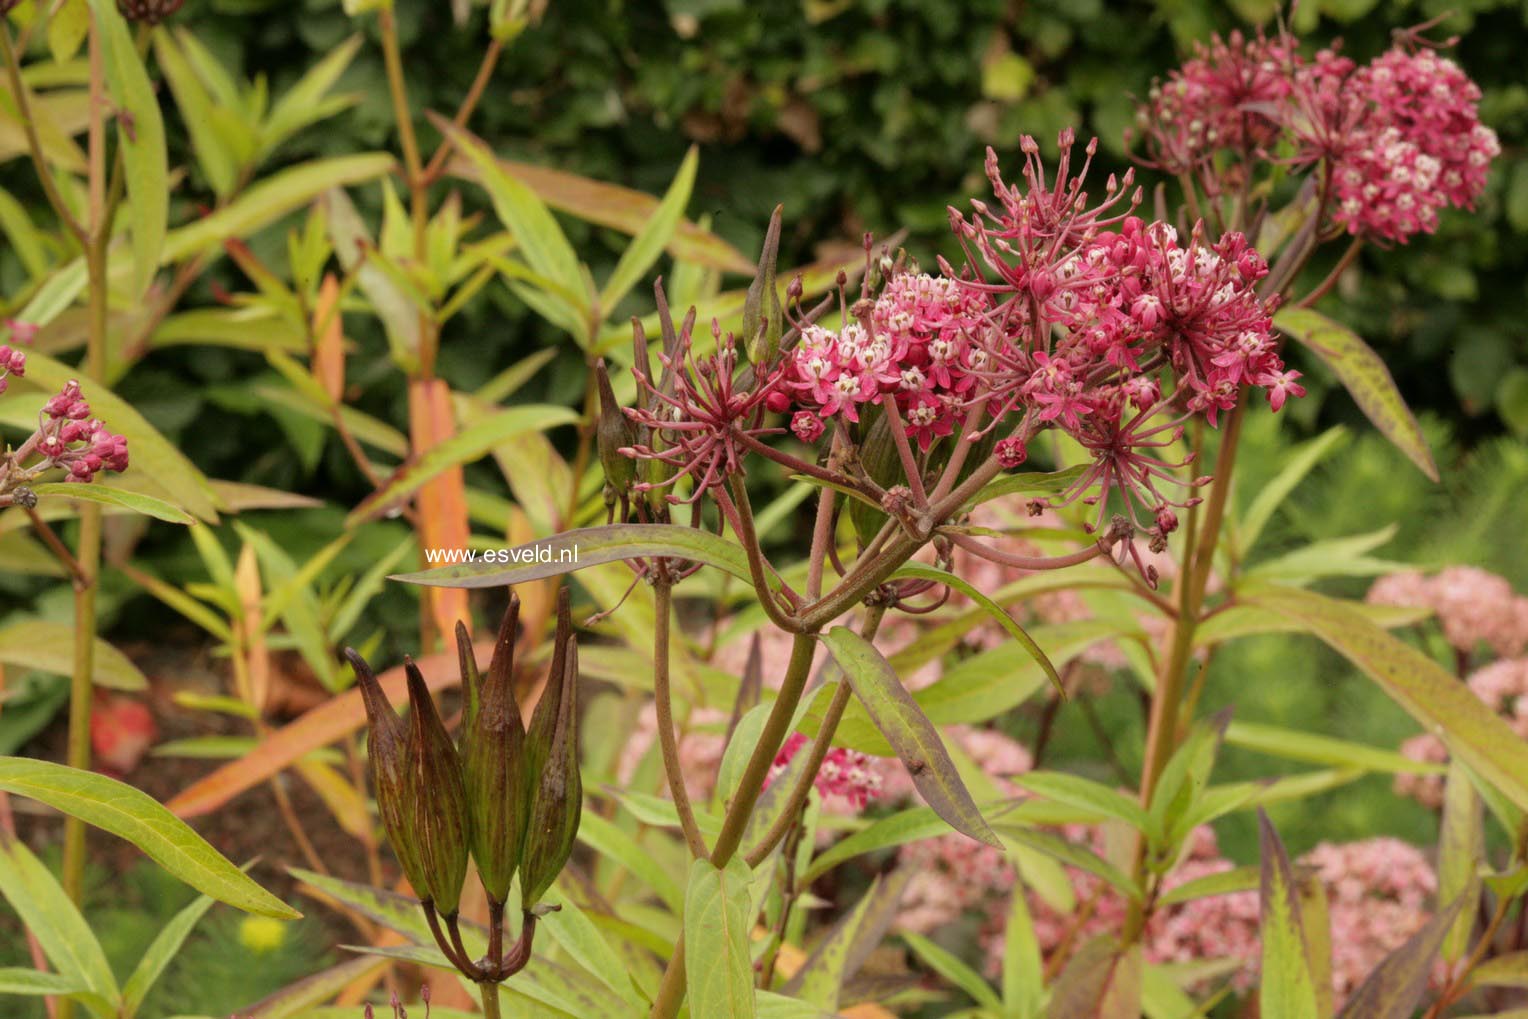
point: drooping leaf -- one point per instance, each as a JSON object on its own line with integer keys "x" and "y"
{"x": 1287, "y": 990}
{"x": 1395, "y": 987}
{"x": 921, "y": 571}
{"x": 47, "y": 646}
{"x": 108, "y": 496}
{"x": 137, "y": 817}
{"x": 1473, "y": 732}
{"x": 616, "y": 207}
{"x": 140, "y": 140}
{"x": 909, "y": 731}
{"x": 718, "y": 968}
{"x": 1366, "y": 377}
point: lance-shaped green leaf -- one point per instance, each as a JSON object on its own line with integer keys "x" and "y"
{"x": 197, "y": 113}
{"x": 1031, "y": 483}
{"x": 141, "y": 143}
{"x": 46, "y": 911}
{"x": 1287, "y": 990}
{"x": 106, "y": 496}
{"x": 269, "y": 200}
{"x": 589, "y": 546}
{"x": 950, "y": 966}
{"x": 718, "y": 966}
{"x": 922, "y": 571}
{"x": 909, "y": 731}
{"x": 844, "y": 949}
{"x": 1395, "y": 987}
{"x": 469, "y": 444}
{"x": 1023, "y": 961}
{"x": 141, "y": 820}
{"x": 1474, "y": 733}
{"x": 160, "y": 953}
{"x": 1461, "y": 850}
{"x": 1097, "y": 799}
{"x": 654, "y": 236}
{"x": 1366, "y": 377}
{"x": 1510, "y": 970}
{"x": 45, "y": 645}
{"x": 493, "y": 761}
{"x": 554, "y": 786}
{"x": 1313, "y": 748}
{"x": 296, "y": 999}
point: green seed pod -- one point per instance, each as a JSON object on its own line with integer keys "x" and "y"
{"x": 391, "y": 770}
{"x": 494, "y": 769}
{"x": 556, "y": 788}
{"x": 439, "y": 806}
{"x": 613, "y": 432}
{"x": 472, "y": 680}
{"x": 763, "y": 316}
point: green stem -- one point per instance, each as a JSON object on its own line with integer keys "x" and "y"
{"x": 664, "y": 701}
{"x": 490, "y": 995}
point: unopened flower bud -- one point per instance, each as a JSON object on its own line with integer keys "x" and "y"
{"x": 551, "y": 768}
{"x": 613, "y": 432}
{"x": 150, "y": 12}
{"x": 439, "y": 804}
{"x": 386, "y": 748}
{"x": 493, "y": 768}
{"x": 763, "y": 316}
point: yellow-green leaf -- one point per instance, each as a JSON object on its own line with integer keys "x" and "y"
{"x": 1287, "y": 990}
{"x": 654, "y": 236}
{"x": 718, "y": 967}
{"x": 47, "y": 646}
{"x": 909, "y": 731}
{"x": 121, "y": 497}
{"x": 140, "y": 136}
{"x": 1366, "y": 377}
{"x": 140, "y": 819}
{"x": 1430, "y": 694}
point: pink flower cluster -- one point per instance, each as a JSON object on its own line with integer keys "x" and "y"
{"x": 13, "y": 361}
{"x": 1089, "y": 304}
{"x": 1224, "y": 97}
{"x": 845, "y": 774}
{"x": 1377, "y": 892}
{"x": 1401, "y": 135}
{"x": 917, "y": 346}
{"x": 1474, "y": 606}
{"x": 1419, "y": 146}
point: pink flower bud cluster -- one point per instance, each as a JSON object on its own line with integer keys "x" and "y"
{"x": 846, "y": 775}
{"x": 1225, "y": 97}
{"x": 67, "y": 437}
{"x": 70, "y": 438}
{"x": 916, "y": 346}
{"x": 13, "y": 361}
{"x": 1475, "y": 607}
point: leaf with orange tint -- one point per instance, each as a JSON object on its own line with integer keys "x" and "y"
{"x": 617, "y": 207}
{"x": 442, "y": 500}
{"x": 329, "y": 339}
{"x": 246, "y": 579}
{"x": 346, "y": 804}
{"x": 320, "y": 727}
